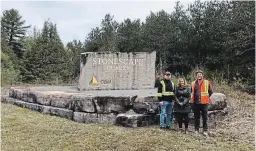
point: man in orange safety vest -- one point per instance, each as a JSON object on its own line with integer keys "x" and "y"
{"x": 200, "y": 98}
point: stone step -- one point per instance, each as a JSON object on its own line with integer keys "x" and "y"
{"x": 61, "y": 112}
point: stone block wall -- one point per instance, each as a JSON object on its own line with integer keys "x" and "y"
{"x": 126, "y": 110}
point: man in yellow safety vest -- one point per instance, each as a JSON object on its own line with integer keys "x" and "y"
{"x": 166, "y": 96}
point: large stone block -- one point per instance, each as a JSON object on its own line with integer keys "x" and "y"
{"x": 13, "y": 93}
{"x": 113, "y": 71}
{"x": 31, "y": 106}
{"x": 82, "y": 117}
{"x": 217, "y": 115}
{"x": 40, "y": 98}
{"x": 132, "y": 119}
{"x": 40, "y": 108}
{"x": 79, "y": 117}
{"x": 107, "y": 118}
{"x": 145, "y": 104}
{"x": 61, "y": 100}
{"x": 25, "y": 95}
{"x": 65, "y": 113}
{"x": 218, "y": 102}
{"x": 110, "y": 104}
{"x": 6, "y": 99}
{"x": 83, "y": 103}
{"x": 19, "y": 93}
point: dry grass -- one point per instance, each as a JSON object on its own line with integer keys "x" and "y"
{"x": 23, "y": 129}
{"x": 239, "y": 124}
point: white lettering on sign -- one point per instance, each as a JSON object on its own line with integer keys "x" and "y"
{"x": 117, "y": 67}
{"x": 117, "y": 64}
{"x": 116, "y": 61}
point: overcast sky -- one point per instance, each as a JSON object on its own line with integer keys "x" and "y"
{"x": 75, "y": 19}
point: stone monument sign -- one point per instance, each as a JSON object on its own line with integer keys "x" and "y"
{"x": 117, "y": 71}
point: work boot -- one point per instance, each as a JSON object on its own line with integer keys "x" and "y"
{"x": 205, "y": 133}
{"x": 167, "y": 127}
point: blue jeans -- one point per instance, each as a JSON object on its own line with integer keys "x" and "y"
{"x": 166, "y": 108}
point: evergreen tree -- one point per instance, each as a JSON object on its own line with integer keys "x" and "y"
{"x": 9, "y": 73}
{"x": 15, "y": 29}
{"x": 47, "y": 60}
{"x": 75, "y": 48}
{"x": 129, "y": 36}
{"x": 156, "y": 36}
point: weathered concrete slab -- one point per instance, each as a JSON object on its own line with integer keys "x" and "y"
{"x": 117, "y": 71}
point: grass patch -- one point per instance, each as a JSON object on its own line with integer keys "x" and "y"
{"x": 23, "y": 129}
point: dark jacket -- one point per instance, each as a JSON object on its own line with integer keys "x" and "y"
{"x": 169, "y": 88}
{"x": 157, "y": 83}
{"x": 182, "y": 96}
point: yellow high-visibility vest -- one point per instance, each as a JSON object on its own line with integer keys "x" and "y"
{"x": 164, "y": 93}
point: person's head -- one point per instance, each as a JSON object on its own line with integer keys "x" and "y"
{"x": 199, "y": 75}
{"x": 182, "y": 82}
{"x": 159, "y": 76}
{"x": 167, "y": 75}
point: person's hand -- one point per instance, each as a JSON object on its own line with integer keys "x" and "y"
{"x": 161, "y": 103}
{"x": 180, "y": 103}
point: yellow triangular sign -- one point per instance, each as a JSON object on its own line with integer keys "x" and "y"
{"x": 94, "y": 80}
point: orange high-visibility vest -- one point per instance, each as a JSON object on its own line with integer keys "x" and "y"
{"x": 205, "y": 99}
